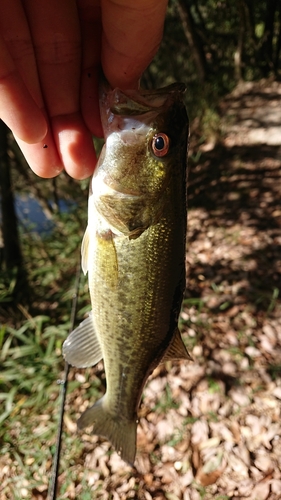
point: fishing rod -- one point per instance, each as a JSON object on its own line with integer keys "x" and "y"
{"x": 52, "y": 493}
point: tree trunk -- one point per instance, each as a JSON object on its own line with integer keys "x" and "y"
{"x": 11, "y": 251}
{"x": 238, "y": 55}
{"x": 267, "y": 46}
{"x": 194, "y": 42}
{"x": 278, "y": 45}
{"x": 249, "y": 10}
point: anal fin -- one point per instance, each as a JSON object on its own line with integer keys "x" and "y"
{"x": 82, "y": 347}
{"x": 176, "y": 349}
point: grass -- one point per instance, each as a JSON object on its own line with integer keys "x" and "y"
{"x": 166, "y": 401}
{"x": 214, "y": 386}
{"x": 31, "y": 336}
{"x": 30, "y": 365}
{"x": 30, "y": 359}
{"x": 273, "y": 300}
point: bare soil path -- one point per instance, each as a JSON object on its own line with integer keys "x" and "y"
{"x": 211, "y": 429}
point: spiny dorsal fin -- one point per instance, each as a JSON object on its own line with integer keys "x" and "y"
{"x": 84, "y": 251}
{"x": 82, "y": 348}
{"x": 176, "y": 349}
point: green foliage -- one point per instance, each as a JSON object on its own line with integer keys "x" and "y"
{"x": 8, "y": 284}
{"x": 30, "y": 362}
{"x": 214, "y": 385}
{"x": 236, "y": 40}
{"x": 30, "y": 349}
{"x": 166, "y": 401}
{"x": 273, "y": 301}
{"x": 31, "y": 336}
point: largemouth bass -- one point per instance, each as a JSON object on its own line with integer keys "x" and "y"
{"x": 134, "y": 253}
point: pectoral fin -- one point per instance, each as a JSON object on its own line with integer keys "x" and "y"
{"x": 176, "y": 349}
{"x": 84, "y": 251}
{"x": 82, "y": 348}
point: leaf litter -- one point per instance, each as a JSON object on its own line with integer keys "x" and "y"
{"x": 210, "y": 429}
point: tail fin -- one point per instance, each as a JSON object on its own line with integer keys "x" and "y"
{"x": 119, "y": 431}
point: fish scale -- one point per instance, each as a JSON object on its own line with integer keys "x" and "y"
{"x": 134, "y": 252}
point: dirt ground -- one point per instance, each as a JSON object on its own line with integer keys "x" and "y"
{"x": 220, "y": 436}
{"x": 211, "y": 428}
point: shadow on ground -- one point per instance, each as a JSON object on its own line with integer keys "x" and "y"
{"x": 239, "y": 189}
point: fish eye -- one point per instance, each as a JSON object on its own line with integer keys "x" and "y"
{"x": 160, "y": 144}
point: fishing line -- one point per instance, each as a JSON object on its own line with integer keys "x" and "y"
{"x": 52, "y": 493}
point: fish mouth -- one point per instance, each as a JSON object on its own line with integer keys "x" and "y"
{"x": 132, "y": 104}
{"x": 132, "y": 132}
{"x": 137, "y": 102}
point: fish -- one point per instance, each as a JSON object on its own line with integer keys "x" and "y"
{"x": 134, "y": 252}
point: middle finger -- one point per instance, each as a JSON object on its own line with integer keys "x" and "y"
{"x": 56, "y": 36}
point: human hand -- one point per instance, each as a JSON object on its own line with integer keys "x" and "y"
{"x": 50, "y": 58}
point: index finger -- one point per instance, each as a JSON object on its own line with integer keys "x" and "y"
{"x": 16, "y": 102}
{"x": 132, "y": 33}
{"x": 55, "y": 32}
